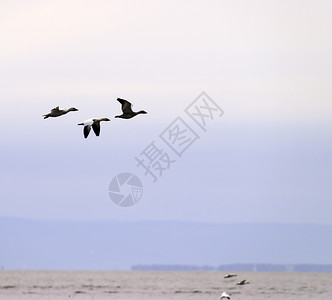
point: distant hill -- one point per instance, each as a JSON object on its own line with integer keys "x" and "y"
{"x": 66, "y": 245}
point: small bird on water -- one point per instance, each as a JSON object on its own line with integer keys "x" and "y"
{"x": 127, "y": 112}
{"x": 94, "y": 123}
{"x": 56, "y": 112}
{"x": 230, "y": 275}
{"x": 224, "y": 295}
{"x": 243, "y": 282}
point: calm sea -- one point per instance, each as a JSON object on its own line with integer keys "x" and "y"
{"x": 54, "y": 285}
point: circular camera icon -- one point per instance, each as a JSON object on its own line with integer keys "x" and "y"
{"x": 125, "y": 189}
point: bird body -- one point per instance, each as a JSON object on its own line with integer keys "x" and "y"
{"x": 230, "y": 275}
{"x": 242, "y": 282}
{"x": 127, "y": 112}
{"x": 56, "y": 112}
{"x": 224, "y": 295}
{"x": 94, "y": 123}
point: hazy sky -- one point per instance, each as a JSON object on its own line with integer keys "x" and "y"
{"x": 266, "y": 64}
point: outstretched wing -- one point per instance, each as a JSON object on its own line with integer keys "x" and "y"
{"x": 126, "y": 106}
{"x": 55, "y": 109}
{"x": 96, "y": 128}
{"x": 86, "y": 130}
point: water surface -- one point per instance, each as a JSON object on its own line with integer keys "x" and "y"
{"x": 54, "y": 285}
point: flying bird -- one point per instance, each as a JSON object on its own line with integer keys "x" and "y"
{"x": 230, "y": 275}
{"x": 56, "y": 112}
{"x": 94, "y": 123}
{"x": 224, "y": 295}
{"x": 242, "y": 282}
{"x": 127, "y": 112}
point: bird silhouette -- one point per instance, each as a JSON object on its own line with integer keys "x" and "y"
{"x": 127, "y": 112}
{"x": 94, "y": 123}
{"x": 56, "y": 112}
{"x": 230, "y": 275}
{"x": 242, "y": 282}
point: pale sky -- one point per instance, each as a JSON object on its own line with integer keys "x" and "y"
{"x": 267, "y": 64}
